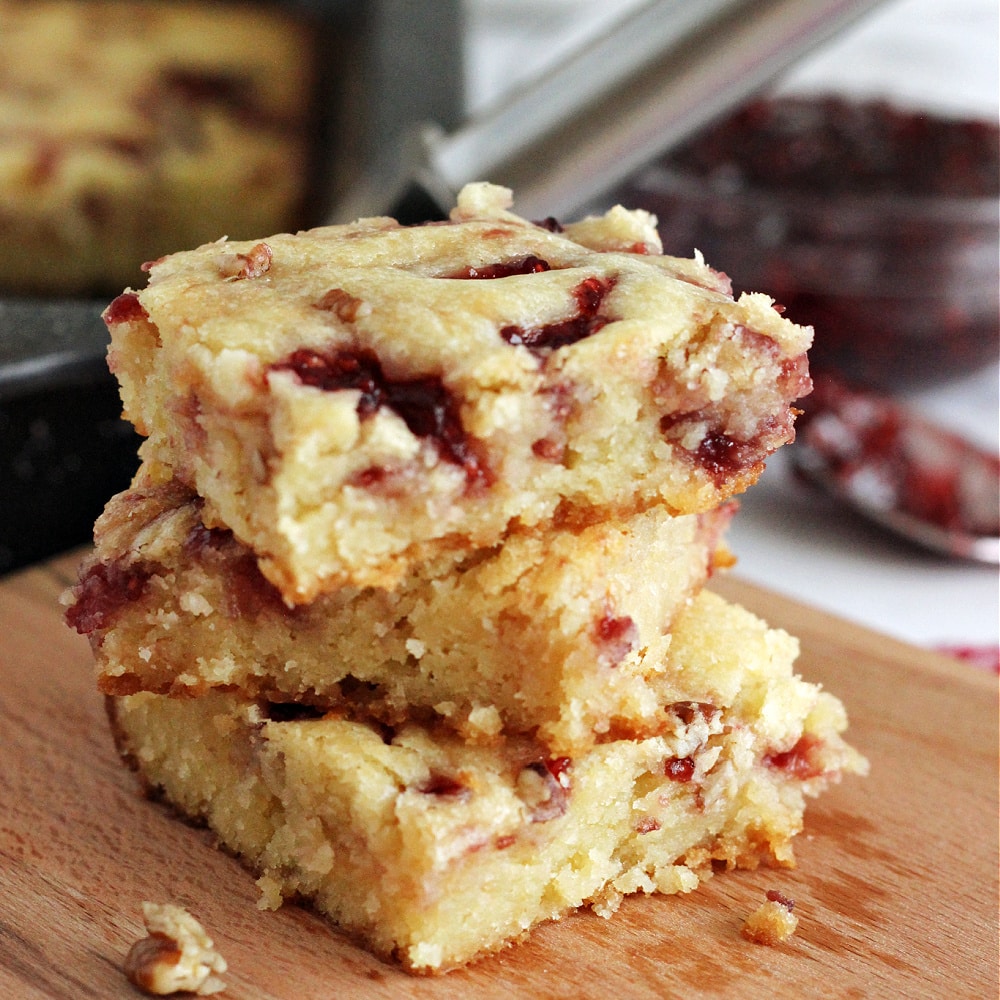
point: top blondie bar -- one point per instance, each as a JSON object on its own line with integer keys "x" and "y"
{"x": 352, "y": 399}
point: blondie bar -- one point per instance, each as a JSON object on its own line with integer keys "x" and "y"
{"x": 562, "y": 634}
{"x": 356, "y": 399}
{"x": 435, "y": 850}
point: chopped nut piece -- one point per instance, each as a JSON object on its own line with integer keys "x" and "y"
{"x": 773, "y": 922}
{"x": 544, "y": 787}
{"x": 177, "y": 956}
{"x": 253, "y": 264}
{"x": 345, "y": 306}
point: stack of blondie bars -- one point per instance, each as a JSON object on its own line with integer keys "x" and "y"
{"x": 407, "y": 600}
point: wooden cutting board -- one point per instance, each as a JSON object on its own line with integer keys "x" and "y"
{"x": 896, "y": 887}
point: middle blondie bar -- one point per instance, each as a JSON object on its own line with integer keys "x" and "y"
{"x": 563, "y": 634}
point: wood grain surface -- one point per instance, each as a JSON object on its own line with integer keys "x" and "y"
{"x": 896, "y": 886}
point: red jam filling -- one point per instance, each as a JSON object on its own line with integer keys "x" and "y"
{"x": 774, "y": 896}
{"x": 717, "y": 453}
{"x": 446, "y": 787}
{"x": 617, "y": 636}
{"x": 548, "y": 450}
{"x": 559, "y": 768}
{"x": 689, "y": 711}
{"x": 589, "y": 296}
{"x": 248, "y": 591}
{"x": 800, "y": 761}
{"x": 720, "y": 455}
{"x": 103, "y": 591}
{"x": 504, "y": 269}
{"x": 424, "y": 404}
{"x": 126, "y": 308}
{"x": 680, "y": 769}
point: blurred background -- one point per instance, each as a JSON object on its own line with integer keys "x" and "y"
{"x": 858, "y": 186}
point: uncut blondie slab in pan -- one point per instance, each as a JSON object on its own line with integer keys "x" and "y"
{"x": 435, "y": 850}
{"x": 562, "y": 634}
{"x": 353, "y": 399}
{"x": 128, "y": 129}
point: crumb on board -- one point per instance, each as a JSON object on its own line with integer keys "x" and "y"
{"x": 773, "y": 922}
{"x": 176, "y": 956}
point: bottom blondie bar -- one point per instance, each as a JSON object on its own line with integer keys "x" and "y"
{"x": 435, "y": 851}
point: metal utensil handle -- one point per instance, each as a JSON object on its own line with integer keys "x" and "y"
{"x": 650, "y": 82}
{"x": 662, "y": 74}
